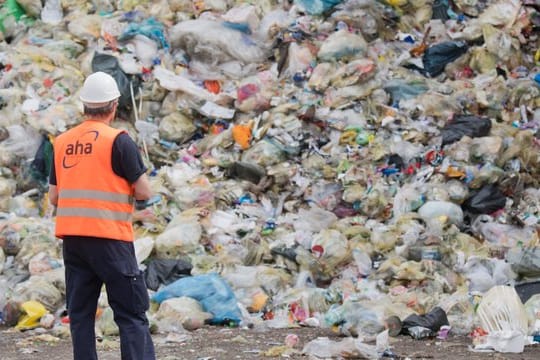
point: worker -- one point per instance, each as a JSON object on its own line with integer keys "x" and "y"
{"x": 96, "y": 175}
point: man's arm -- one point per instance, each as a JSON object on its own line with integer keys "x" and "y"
{"x": 53, "y": 194}
{"x": 142, "y": 190}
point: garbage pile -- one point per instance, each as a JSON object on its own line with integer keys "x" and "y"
{"x": 330, "y": 163}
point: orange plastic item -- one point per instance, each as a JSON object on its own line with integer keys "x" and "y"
{"x": 213, "y": 86}
{"x": 242, "y": 135}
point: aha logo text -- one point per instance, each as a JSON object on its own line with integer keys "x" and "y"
{"x": 82, "y": 147}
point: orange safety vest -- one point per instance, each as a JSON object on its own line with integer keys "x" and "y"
{"x": 92, "y": 199}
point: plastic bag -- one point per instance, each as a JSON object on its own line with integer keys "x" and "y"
{"x": 38, "y": 289}
{"x": 32, "y": 312}
{"x": 165, "y": 271}
{"x": 532, "y": 307}
{"x": 176, "y": 127}
{"x": 23, "y": 141}
{"x": 213, "y": 43}
{"x": 324, "y": 348}
{"x": 317, "y": 7}
{"x": 342, "y": 45}
{"x": 180, "y": 313}
{"x": 214, "y": 294}
{"x": 436, "y": 209}
{"x": 433, "y": 320}
{"x": 10, "y": 14}
{"x": 105, "y": 324}
{"x": 502, "y": 310}
{"x": 525, "y": 261}
{"x": 179, "y": 239}
{"x": 485, "y": 201}
{"x": 150, "y": 28}
{"x": 436, "y": 57}
{"x": 143, "y": 248}
{"x": 52, "y": 12}
{"x": 465, "y": 125}
{"x": 401, "y": 89}
{"x": 109, "y": 64}
{"x": 255, "y": 93}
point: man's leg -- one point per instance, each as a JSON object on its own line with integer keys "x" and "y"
{"x": 128, "y": 297}
{"x": 82, "y": 293}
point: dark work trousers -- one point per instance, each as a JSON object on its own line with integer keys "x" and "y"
{"x": 90, "y": 263}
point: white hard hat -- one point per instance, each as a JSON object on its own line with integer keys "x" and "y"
{"x": 99, "y": 88}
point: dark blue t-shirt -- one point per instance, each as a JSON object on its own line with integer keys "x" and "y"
{"x": 126, "y": 160}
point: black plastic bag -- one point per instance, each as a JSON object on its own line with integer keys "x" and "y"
{"x": 436, "y": 57}
{"x": 109, "y": 64}
{"x": 487, "y": 200}
{"x": 440, "y": 10}
{"x": 165, "y": 271}
{"x": 465, "y": 125}
{"x": 432, "y": 320}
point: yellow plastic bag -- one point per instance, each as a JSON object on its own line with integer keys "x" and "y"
{"x": 33, "y": 311}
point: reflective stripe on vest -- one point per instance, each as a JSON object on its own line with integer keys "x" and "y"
{"x": 94, "y": 213}
{"x": 122, "y": 199}
{"x": 96, "y": 195}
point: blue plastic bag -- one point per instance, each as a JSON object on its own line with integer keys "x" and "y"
{"x": 211, "y": 291}
{"x": 317, "y": 7}
{"x": 150, "y": 28}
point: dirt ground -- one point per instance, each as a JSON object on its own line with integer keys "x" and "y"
{"x": 218, "y": 343}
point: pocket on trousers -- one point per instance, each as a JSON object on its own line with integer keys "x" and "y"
{"x": 139, "y": 298}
